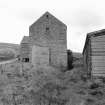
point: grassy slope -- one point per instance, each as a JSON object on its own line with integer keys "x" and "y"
{"x": 48, "y": 86}
{"x": 45, "y": 85}
{"x": 84, "y": 90}
{"x": 8, "y": 51}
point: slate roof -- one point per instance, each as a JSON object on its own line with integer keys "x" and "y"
{"x": 93, "y": 34}
{"x": 26, "y": 39}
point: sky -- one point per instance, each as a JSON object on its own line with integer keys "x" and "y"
{"x": 80, "y": 16}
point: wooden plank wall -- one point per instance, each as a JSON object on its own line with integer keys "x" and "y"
{"x": 87, "y": 58}
{"x": 98, "y": 55}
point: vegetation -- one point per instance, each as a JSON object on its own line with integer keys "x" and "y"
{"x": 48, "y": 86}
{"x": 70, "y": 59}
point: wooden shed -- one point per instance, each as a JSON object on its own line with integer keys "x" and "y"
{"x": 25, "y": 49}
{"x": 94, "y": 53}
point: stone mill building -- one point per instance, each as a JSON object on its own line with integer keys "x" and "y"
{"x": 46, "y": 43}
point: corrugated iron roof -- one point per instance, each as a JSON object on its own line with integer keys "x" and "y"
{"x": 97, "y": 33}
{"x": 93, "y": 34}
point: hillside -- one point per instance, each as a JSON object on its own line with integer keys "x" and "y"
{"x": 8, "y": 51}
{"x": 9, "y": 45}
{"x": 77, "y": 59}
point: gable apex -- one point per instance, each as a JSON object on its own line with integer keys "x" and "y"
{"x": 48, "y": 15}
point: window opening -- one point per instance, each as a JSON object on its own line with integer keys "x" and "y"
{"x": 25, "y": 60}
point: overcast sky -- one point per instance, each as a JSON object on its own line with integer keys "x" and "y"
{"x": 80, "y": 16}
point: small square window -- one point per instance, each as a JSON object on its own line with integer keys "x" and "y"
{"x": 25, "y": 60}
{"x": 47, "y": 28}
{"x": 47, "y": 16}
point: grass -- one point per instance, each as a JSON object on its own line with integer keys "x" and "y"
{"x": 48, "y": 86}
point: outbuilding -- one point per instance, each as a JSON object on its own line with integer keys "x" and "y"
{"x": 94, "y": 53}
{"x": 46, "y": 43}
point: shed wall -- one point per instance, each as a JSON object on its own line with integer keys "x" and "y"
{"x": 25, "y": 51}
{"x": 98, "y": 55}
{"x": 87, "y": 58}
